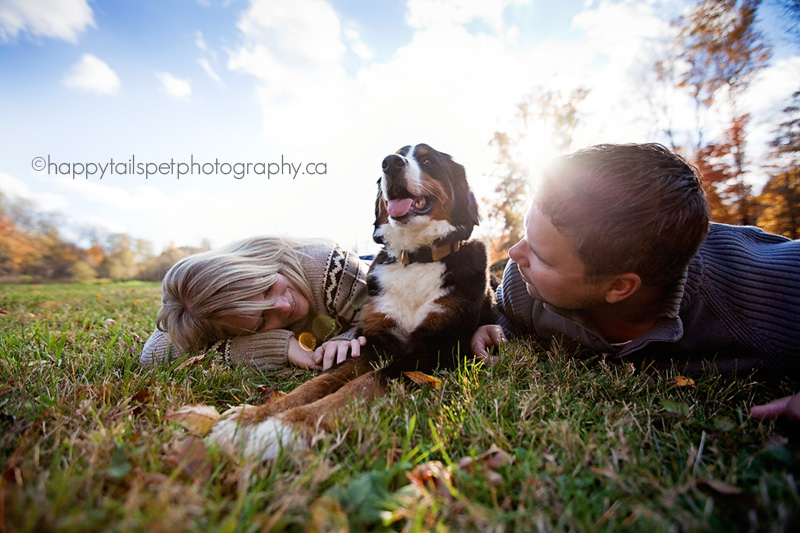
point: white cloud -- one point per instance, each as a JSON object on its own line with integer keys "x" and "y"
{"x": 174, "y": 87}
{"x": 58, "y": 19}
{"x": 430, "y": 13}
{"x": 92, "y": 74}
{"x": 16, "y": 188}
{"x": 294, "y": 49}
{"x": 305, "y": 30}
{"x": 200, "y": 42}
{"x": 357, "y": 46}
{"x": 203, "y": 62}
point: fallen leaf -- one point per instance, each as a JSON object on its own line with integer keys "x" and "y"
{"x": 434, "y": 477}
{"x": 190, "y": 455}
{"x": 723, "y": 423}
{"x": 494, "y": 479}
{"x": 196, "y": 419}
{"x": 327, "y": 515}
{"x": 424, "y": 379}
{"x": 139, "y": 399}
{"x": 269, "y": 393}
{"x": 3, "y": 312}
{"x": 681, "y": 381}
{"x": 676, "y": 409}
{"x": 488, "y": 461}
{"x": 191, "y": 361}
{"x": 494, "y": 457}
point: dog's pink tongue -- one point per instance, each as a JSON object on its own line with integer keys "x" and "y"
{"x": 398, "y": 208}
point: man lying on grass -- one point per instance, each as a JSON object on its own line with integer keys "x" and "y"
{"x": 619, "y": 257}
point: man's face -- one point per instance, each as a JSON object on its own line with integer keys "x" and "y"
{"x": 551, "y": 268}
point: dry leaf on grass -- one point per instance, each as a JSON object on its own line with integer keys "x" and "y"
{"x": 681, "y": 381}
{"x": 197, "y": 359}
{"x": 327, "y": 516}
{"x": 268, "y": 393}
{"x": 489, "y": 461}
{"x": 190, "y": 455}
{"x": 434, "y": 477}
{"x": 424, "y": 379}
{"x": 196, "y": 418}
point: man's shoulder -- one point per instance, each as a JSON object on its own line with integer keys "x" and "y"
{"x": 744, "y": 235}
{"x": 733, "y": 253}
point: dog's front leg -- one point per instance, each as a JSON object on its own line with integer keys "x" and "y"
{"x": 324, "y": 413}
{"x": 313, "y": 389}
{"x": 293, "y": 429}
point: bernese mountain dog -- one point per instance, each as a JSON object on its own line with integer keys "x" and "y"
{"x": 428, "y": 292}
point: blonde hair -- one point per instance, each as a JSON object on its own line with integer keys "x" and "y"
{"x": 201, "y": 288}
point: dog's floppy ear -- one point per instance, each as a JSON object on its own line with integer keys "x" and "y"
{"x": 473, "y": 209}
{"x": 381, "y": 216}
{"x": 466, "y": 206}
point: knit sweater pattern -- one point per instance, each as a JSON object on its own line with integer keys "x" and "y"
{"x": 736, "y": 308}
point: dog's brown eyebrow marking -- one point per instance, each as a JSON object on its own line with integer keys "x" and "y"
{"x": 421, "y": 152}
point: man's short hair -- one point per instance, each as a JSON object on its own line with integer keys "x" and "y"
{"x": 627, "y": 208}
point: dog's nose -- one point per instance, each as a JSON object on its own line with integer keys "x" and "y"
{"x": 392, "y": 164}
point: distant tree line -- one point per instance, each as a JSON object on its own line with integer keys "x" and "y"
{"x": 33, "y": 250}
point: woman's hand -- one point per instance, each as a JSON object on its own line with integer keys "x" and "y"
{"x": 486, "y": 337}
{"x": 788, "y": 407}
{"x": 300, "y": 357}
{"x": 333, "y": 352}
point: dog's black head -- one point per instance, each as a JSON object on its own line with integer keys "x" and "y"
{"x": 423, "y": 199}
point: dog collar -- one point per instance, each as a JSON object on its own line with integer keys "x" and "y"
{"x": 429, "y": 254}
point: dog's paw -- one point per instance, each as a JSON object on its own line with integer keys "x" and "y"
{"x": 259, "y": 441}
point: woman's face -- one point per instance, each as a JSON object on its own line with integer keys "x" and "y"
{"x": 290, "y": 307}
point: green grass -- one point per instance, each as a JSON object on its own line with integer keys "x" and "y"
{"x": 596, "y": 446}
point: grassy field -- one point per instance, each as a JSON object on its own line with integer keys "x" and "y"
{"x": 585, "y": 445}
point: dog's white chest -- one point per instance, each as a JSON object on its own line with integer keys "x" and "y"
{"x": 409, "y": 293}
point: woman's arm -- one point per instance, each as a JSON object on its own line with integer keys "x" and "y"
{"x": 266, "y": 351}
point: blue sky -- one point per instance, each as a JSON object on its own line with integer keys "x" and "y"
{"x": 339, "y": 84}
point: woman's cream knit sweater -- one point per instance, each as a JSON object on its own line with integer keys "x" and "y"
{"x": 338, "y": 281}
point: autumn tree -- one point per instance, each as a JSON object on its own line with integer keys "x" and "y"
{"x": 543, "y": 126}
{"x": 32, "y": 248}
{"x": 16, "y": 250}
{"x": 124, "y": 257}
{"x": 780, "y": 199}
{"x": 715, "y": 56}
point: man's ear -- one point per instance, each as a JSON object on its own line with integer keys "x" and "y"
{"x": 622, "y": 287}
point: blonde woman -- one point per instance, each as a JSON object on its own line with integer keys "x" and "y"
{"x": 263, "y": 301}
